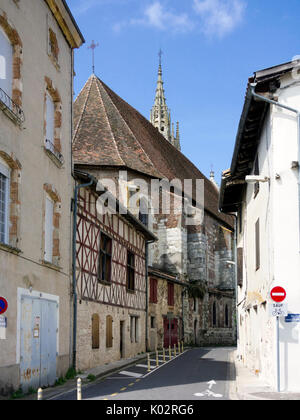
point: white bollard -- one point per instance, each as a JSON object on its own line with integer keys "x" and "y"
{"x": 79, "y": 393}
{"x": 40, "y": 394}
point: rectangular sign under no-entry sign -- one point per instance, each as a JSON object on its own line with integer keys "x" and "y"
{"x": 292, "y": 318}
{"x": 3, "y": 327}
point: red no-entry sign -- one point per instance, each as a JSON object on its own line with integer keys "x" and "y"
{"x": 3, "y": 305}
{"x": 278, "y": 294}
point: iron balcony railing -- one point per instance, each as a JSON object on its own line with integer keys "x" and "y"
{"x": 11, "y": 108}
{"x": 49, "y": 146}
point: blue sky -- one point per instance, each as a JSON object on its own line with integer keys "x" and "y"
{"x": 210, "y": 48}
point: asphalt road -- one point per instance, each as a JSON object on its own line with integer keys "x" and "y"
{"x": 197, "y": 374}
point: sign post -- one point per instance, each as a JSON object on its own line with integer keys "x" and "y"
{"x": 3, "y": 319}
{"x": 278, "y": 295}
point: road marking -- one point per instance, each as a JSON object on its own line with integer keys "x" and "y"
{"x": 131, "y": 384}
{"x": 113, "y": 395}
{"x": 145, "y": 366}
{"x": 123, "y": 389}
{"x": 208, "y": 392}
{"x": 133, "y": 374}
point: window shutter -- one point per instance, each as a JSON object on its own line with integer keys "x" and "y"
{"x": 155, "y": 291}
{"x": 109, "y": 337}
{"x": 95, "y": 331}
{"x": 170, "y": 294}
{"x": 6, "y": 64}
{"x": 50, "y": 110}
{"x": 49, "y": 211}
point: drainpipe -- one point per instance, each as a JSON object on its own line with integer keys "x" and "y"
{"x": 295, "y": 111}
{"x": 235, "y": 261}
{"x": 75, "y": 206}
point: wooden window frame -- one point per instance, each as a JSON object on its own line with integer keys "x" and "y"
{"x": 106, "y": 254}
{"x": 109, "y": 332}
{"x": 153, "y": 290}
{"x": 95, "y": 332}
{"x": 171, "y": 294}
{"x": 130, "y": 282}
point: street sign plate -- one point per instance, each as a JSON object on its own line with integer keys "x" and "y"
{"x": 3, "y": 305}
{"x": 278, "y": 294}
{"x": 292, "y": 318}
{"x": 278, "y": 309}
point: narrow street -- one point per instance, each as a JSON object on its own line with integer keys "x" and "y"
{"x": 197, "y": 374}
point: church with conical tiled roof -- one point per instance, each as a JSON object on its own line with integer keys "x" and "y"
{"x": 188, "y": 279}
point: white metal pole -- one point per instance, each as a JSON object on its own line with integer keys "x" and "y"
{"x": 278, "y": 355}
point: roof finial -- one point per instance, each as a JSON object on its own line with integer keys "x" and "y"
{"x": 160, "y": 53}
{"x": 92, "y": 47}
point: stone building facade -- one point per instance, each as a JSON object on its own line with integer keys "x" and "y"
{"x": 36, "y": 189}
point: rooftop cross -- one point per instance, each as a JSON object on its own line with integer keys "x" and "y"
{"x": 92, "y": 47}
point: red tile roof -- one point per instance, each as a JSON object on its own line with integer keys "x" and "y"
{"x": 109, "y": 132}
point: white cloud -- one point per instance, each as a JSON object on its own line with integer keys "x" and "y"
{"x": 220, "y": 17}
{"x": 159, "y": 17}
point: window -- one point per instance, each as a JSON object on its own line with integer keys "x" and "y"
{"x": 53, "y": 123}
{"x": 153, "y": 290}
{"x": 257, "y": 245}
{"x": 130, "y": 271}
{"x": 143, "y": 212}
{"x": 49, "y": 213}
{"x": 226, "y": 316}
{"x": 95, "y": 332}
{"x": 104, "y": 269}
{"x": 50, "y": 111}
{"x": 170, "y": 294}
{"x": 152, "y": 322}
{"x": 109, "y": 330}
{"x": 214, "y": 317}
{"x": 6, "y": 64}
{"x": 4, "y": 203}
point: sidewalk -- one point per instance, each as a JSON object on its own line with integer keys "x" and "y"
{"x": 99, "y": 373}
{"x": 249, "y": 386}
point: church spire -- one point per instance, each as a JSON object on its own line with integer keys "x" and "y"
{"x": 160, "y": 114}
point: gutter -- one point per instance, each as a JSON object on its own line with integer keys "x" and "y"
{"x": 75, "y": 206}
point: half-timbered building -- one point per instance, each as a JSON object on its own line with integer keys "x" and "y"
{"x": 110, "y": 278}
